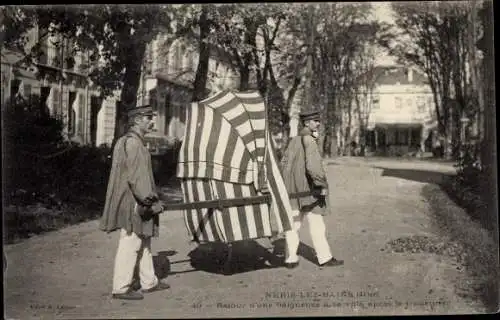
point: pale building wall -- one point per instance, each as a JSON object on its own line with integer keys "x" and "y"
{"x": 106, "y": 120}
{"x": 400, "y": 103}
{"x": 75, "y": 80}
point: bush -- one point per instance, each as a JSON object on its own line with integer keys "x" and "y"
{"x": 39, "y": 162}
{"x": 467, "y": 187}
{"x": 469, "y": 170}
{"x": 48, "y": 182}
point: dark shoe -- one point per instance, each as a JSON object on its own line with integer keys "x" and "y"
{"x": 132, "y": 295}
{"x": 159, "y": 287}
{"x": 332, "y": 263}
{"x": 291, "y": 265}
{"x": 274, "y": 263}
{"x": 136, "y": 285}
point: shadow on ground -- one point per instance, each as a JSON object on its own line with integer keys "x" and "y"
{"x": 246, "y": 256}
{"x": 423, "y": 176}
{"x": 162, "y": 263}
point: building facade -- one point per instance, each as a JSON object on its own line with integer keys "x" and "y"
{"x": 58, "y": 76}
{"x": 397, "y": 117}
{"x": 167, "y": 78}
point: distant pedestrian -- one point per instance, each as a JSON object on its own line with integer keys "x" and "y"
{"x": 302, "y": 170}
{"x": 132, "y": 206}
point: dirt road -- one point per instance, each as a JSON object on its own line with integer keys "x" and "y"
{"x": 67, "y": 274}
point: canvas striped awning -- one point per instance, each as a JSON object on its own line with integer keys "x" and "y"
{"x": 224, "y": 138}
{"x": 227, "y": 152}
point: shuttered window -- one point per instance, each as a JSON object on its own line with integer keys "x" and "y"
{"x": 399, "y": 102}
{"x": 44, "y": 95}
{"x": 56, "y": 101}
{"x": 71, "y": 113}
{"x": 81, "y": 113}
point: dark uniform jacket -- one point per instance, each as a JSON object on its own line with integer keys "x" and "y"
{"x": 303, "y": 170}
{"x": 131, "y": 188}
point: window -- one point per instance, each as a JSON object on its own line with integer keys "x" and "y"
{"x": 95, "y": 106}
{"x": 69, "y": 63}
{"x": 44, "y": 95}
{"x": 398, "y": 102}
{"x": 409, "y": 103}
{"x": 80, "y": 113}
{"x": 71, "y": 113}
{"x": 56, "y": 101}
{"x": 167, "y": 114}
{"x": 54, "y": 47}
{"x": 148, "y": 61}
{"x": 421, "y": 104}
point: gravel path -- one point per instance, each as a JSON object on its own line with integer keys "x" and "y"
{"x": 375, "y": 218}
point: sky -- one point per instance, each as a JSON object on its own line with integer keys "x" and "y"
{"x": 382, "y": 12}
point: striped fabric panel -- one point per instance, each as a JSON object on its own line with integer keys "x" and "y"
{"x": 241, "y": 222}
{"x": 212, "y": 148}
{"x": 281, "y": 208}
{"x": 231, "y": 224}
{"x": 226, "y": 143}
{"x": 201, "y": 223}
{"x": 254, "y": 104}
{"x": 246, "y": 113}
{"x": 184, "y": 150}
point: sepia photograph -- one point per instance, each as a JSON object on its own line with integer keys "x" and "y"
{"x": 249, "y": 160}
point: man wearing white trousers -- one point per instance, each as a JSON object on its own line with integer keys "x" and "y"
{"x": 132, "y": 206}
{"x": 302, "y": 170}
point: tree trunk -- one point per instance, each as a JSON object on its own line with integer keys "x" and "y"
{"x": 288, "y": 106}
{"x": 244, "y": 77}
{"x": 489, "y": 151}
{"x": 309, "y": 64}
{"x": 331, "y": 122}
{"x": 128, "y": 98}
{"x": 200, "y": 81}
{"x": 349, "y": 126}
{"x": 248, "y": 57}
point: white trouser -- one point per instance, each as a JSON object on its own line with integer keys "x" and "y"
{"x": 131, "y": 248}
{"x": 318, "y": 235}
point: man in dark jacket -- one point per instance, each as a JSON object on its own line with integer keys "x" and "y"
{"x": 302, "y": 170}
{"x": 132, "y": 206}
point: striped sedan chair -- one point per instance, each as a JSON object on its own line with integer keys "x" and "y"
{"x": 227, "y": 153}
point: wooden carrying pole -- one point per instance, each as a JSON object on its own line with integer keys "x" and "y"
{"x": 224, "y": 203}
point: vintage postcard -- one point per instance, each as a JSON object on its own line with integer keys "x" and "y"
{"x": 249, "y": 160}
